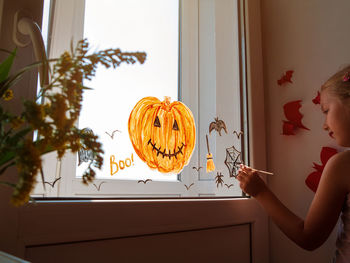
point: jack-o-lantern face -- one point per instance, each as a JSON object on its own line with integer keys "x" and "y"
{"x": 163, "y": 134}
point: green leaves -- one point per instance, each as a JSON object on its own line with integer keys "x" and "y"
{"x": 6, "y": 65}
{"x": 11, "y": 143}
{"x": 5, "y": 68}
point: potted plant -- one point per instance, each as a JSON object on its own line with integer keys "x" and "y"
{"x": 52, "y": 116}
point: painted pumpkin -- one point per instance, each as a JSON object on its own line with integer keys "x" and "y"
{"x": 163, "y": 134}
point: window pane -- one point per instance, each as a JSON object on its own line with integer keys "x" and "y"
{"x": 208, "y": 79}
{"x": 151, "y": 26}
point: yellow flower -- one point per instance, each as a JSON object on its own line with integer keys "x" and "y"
{"x": 28, "y": 165}
{"x": 8, "y": 95}
{"x": 65, "y": 63}
{"x": 16, "y": 122}
{"x": 58, "y": 112}
{"x": 34, "y": 114}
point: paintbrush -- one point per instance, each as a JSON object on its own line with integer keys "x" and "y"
{"x": 256, "y": 170}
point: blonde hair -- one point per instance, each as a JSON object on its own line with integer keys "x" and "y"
{"x": 338, "y": 85}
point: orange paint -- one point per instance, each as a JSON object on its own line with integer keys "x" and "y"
{"x": 163, "y": 134}
{"x": 115, "y": 166}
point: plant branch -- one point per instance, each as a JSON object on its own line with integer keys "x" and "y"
{"x": 7, "y": 166}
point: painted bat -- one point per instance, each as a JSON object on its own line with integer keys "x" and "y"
{"x": 217, "y": 125}
{"x": 144, "y": 181}
{"x": 188, "y": 187}
{"x": 98, "y": 187}
{"x": 197, "y": 168}
{"x": 238, "y": 134}
{"x": 112, "y": 135}
{"x": 52, "y": 184}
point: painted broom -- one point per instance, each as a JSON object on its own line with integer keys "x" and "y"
{"x": 210, "y": 161}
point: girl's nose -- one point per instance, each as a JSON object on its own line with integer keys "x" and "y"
{"x": 325, "y": 126}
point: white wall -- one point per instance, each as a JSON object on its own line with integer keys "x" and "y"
{"x": 311, "y": 37}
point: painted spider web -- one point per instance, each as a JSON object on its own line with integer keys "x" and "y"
{"x": 233, "y": 160}
{"x": 86, "y": 155}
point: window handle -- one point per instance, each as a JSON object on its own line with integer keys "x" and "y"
{"x": 25, "y": 25}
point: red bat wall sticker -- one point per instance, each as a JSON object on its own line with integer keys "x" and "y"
{"x": 314, "y": 178}
{"x": 317, "y": 99}
{"x": 286, "y": 78}
{"x": 291, "y": 111}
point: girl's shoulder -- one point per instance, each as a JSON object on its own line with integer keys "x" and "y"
{"x": 338, "y": 166}
{"x": 341, "y": 158}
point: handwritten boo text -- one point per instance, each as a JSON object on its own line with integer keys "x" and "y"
{"x": 121, "y": 164}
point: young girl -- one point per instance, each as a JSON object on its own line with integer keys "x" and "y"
{"x": 333, "y": 193}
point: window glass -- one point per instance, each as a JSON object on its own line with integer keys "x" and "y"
{"x": 150, "y": 26}
{"x": 195, "y": 54}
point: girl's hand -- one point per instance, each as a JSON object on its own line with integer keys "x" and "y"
{"x": 250, "y": 181}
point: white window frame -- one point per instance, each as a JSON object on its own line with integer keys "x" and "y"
{"x": 210, "y": 69}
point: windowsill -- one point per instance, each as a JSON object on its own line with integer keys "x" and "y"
{"x": 134, "y": 200}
